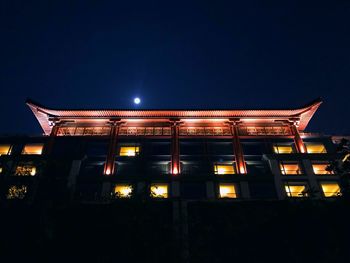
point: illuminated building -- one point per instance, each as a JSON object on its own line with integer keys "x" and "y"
{"x": 172, "y": 186}
{"x": 186, "y": 154}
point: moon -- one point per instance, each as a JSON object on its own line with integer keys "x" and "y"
{"x": 137, "y": 100}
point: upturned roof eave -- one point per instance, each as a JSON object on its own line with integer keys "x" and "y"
{"x": 44, "y": 114}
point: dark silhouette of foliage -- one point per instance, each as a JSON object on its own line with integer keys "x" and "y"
{"x": 342, "y": 167}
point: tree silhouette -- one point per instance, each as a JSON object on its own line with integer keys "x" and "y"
{"x": 342, "y": 167}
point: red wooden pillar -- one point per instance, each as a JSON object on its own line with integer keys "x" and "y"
{"x": 175, "y": 149}
{"x": 109, "y": 168}
{"x": 51, "y": 140}
{"x": 238, "y": 151}
{"x": 300, "y": 146}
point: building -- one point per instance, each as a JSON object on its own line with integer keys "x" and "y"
{"x": 172, "y": 186}
{"x": 103, "y": 155}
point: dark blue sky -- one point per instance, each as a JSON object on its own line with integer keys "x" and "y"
{"x": 173, "y": 54}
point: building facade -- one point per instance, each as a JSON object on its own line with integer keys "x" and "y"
{"x": 104, "y": 155}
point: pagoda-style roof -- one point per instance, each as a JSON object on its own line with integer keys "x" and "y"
{"x": 46, "y": 116}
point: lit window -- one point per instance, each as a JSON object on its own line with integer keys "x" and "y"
{"x": 315, "y": 148}
{"x": 159, "y": 190}
{"x": 296, "y": 190}
{"x": 17, "y": 192}
{"x": 290, "y": 168}
{"x": 129, "y": 150}
{"x": 0, "y": 170}
{"x": 281, "y": 149}
{"x": 321, "y": 169}
{"x": 33, "y": 149}
{"x": 123, "y": 190}
{"x": 224, "y": 169}
{"x": 25, "y": 170}
{"x": 5, "y": 149}
{"x": 330, "y": 189}
{"x": 227, "y": 191}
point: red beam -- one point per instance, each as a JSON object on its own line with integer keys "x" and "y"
{"x": 109, "y": 168}
{"x": 175, "y": 149}
{"x": 238, "y": 151}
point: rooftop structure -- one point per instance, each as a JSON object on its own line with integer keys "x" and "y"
{"x": 187, "y": 154}
{"x": 49, "y": 117}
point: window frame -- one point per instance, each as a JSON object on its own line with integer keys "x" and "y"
{"x": 236, "y": 190}
{"x": 277, "y": 145}
{"x": 25, "y": 193}
{"x": 329, "y": 182}
{"x": 282, "y": 164}
{"x": 26, "y": 166}
{"x": 313, "y": 144}
{"x": 291, "y": 183}
{"x": 231, "y": 165}
{"x": 130, "y": 195}
{"x": 159, "y": 196}
{"x": 8, "y": 151}
{"x": 137, "y": 150}
{"x": 32, "y": 144}
{"x": 329, "y": 173}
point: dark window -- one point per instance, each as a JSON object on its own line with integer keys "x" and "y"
{"x": 193, "y": 190}
{"x": 156, "y": 148}
{"x": 196, "y": 167}
{"x": 91, "y": 170}
{"x": 253, "y": 148}
{"x": 67, "y": 146}
{"x": 89, "y": 192}
{"x": 262, "y": 190}
{"x": 97, "y": 149}
{"x": 192, "y": 148}
{"x": 220, "y": 148}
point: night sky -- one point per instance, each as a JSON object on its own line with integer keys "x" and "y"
{"x": 173, "y": 54}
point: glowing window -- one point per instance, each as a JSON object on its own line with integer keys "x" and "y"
{"x": 282, "y": 149}
{"x": 290, "y": 168}
{"x": 25, "y": 170}
{"x": 129, "y": 150}
{"x": 33, "y": 149}
{"x": 123, "y": 191}
{"x": 296, "y": 190}
{"x": 224, "y": 169}
{"x": 159, "y": 190}
{"x": 315, "y": 148}
{"x": 321, "y": 169}
{"x": 5, "y": 149}
{"x": 330, "y": 189}
{"x": 227, "y": 191}
{"x": 17, "y": 192}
